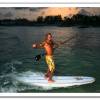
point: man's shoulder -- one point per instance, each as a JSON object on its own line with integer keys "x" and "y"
{"x": 42, "y": 43}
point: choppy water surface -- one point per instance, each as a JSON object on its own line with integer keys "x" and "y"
{"x": 78, "y": 57}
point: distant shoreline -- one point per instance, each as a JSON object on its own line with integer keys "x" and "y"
{"x": 82, "y": 21}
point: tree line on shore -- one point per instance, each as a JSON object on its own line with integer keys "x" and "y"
{"x": 76, "y": 20}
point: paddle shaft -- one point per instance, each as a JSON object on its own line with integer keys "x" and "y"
{"x": 66, "y": 41}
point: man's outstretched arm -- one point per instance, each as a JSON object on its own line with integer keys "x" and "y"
{"x": 36, "y": 45}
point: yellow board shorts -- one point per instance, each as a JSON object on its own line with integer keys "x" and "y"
{"x": 50, "y": 62}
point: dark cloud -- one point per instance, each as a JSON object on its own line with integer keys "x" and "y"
{"x": 26, "y": 8}
{"x": 19, "y": 8}
{"x": 30, "y": 8}
{"x": 9, "y": 14}
{"x": 84, "y": 12}
{"x": 1, "y": 14}
{"x": 90, "y": 11}
{"x": 37, "y": 9}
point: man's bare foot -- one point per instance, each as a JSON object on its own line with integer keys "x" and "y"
{"x": 51, "y": 81}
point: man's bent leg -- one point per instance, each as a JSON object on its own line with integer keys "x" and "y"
{"x": 47, "y": 73}
{"x": 50, "y": 77}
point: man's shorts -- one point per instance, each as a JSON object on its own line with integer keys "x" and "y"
{"x": 50, "y": 62}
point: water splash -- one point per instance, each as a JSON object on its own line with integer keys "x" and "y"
{"x": 6, "y": 83}
{"x": 25, "y": 75}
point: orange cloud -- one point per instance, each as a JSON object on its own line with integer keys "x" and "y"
{"x": 60, "y": 11}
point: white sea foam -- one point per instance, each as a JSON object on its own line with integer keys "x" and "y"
{"x": 17, "y": 62}
{"x": 26, "y": 75}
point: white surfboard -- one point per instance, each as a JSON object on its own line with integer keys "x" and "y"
{"x": 37, "y": 79}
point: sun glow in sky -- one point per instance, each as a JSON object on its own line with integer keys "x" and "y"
{"x": 31, "y": 13}
{"x": 61, "y": 11}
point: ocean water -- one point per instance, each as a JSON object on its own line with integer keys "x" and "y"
{"x": 78, "y": 57}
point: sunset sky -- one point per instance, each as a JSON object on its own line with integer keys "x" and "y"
{"x": 32, "y": 13}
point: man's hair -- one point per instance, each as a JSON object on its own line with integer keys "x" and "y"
{"x": 47, "y": 35}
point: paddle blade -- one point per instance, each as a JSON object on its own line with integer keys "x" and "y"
{"x": 37, "y": 58}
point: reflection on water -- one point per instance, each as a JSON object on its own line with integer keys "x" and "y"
{"x": 79, "y": 56}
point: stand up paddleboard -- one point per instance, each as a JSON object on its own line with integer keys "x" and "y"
{"x": 37, "y": 79}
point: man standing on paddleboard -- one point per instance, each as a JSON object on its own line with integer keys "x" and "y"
{"x": 49, "y": 46}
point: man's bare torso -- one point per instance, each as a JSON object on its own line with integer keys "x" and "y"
{"x": 48, "y": 45}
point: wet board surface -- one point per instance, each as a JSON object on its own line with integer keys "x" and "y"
{"x": 37, "y": 79}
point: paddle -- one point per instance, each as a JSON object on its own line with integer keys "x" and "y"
{"x": 38, "y": 57}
